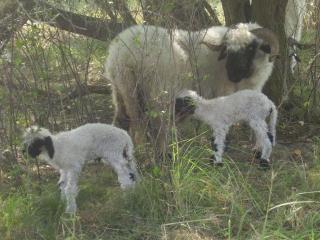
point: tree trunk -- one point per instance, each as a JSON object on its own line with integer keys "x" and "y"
{"x": 236, "y": 11}
{"x": 271, "y": 14}
{"x": 11, "y": 20}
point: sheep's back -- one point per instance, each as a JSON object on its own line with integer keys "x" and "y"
{"x": 148, "y": 54}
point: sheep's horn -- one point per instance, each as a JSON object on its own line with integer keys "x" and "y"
{"x": 269, "y": 37}
{"x": 213, "y": 47}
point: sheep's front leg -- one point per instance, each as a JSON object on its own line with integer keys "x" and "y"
{"x": 71, "y": 191}
{"x": 217, "y": 144}
{"x": 62, "y": 183}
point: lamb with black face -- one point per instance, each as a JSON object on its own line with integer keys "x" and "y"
{"x": 69, "y": 150}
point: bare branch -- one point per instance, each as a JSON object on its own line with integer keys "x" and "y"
{"x": 73, "y": 22}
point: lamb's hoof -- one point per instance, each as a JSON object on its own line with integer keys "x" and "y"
{"x": 257, "y": 154}
{"x": 218, "y": 164}
{"x": 264, "y": 164}
{"x": 214, "y": 162}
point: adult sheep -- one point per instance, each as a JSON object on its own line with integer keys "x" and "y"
{"x": 148, "y": 65}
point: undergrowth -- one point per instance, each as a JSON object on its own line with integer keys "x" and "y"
{"x": 187, "y": 199}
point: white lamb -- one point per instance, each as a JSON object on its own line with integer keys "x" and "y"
{"x": 220, "y": 113}
{"x": 68, "y": 151}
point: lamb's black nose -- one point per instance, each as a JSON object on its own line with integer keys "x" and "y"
{"x": 132, "y": 176}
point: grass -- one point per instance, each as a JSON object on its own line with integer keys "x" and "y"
{"x": 187, "y": 199}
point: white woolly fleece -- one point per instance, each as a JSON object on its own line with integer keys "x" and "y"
{"x": 88, "y": 142}
{"x": 249, "y": 106}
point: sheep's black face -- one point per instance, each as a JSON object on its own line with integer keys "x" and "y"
{"x": 239, "y": 64}
{"x": 38, "y": 145}
{"x": 35, "y": 148}
{"x": 184, "y": 107}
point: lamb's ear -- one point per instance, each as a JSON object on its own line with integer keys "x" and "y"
{"x": 48, "y": 144}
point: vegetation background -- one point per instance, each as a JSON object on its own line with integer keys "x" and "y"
{"x": 51, "y": 68}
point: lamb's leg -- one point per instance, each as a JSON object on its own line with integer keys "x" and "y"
{"x": 263, "y": 142}
{"x": 71, "y": 191}
{"x": 219, "y": 136}
{"x": 62, "y": 183}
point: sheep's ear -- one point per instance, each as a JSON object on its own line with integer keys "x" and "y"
{"x": 266, "y": 48}
{"x": 48, "y": 144}
{"x": 223, "y": 53}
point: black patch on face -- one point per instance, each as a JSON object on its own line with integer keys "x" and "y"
{"x": 270, "y": 136}
{"x": 184, "y": 107}
{"x": 239, "y": 63}
{"x": 34, "y": 149}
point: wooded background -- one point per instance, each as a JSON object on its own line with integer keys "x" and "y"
{"x": 53, "y": 53}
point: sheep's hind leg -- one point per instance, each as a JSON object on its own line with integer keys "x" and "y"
{"x": 263, "y": 144}
{"x": 120, "y": 119}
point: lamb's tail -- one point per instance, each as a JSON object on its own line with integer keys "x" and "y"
{"x": 272, "y": 124}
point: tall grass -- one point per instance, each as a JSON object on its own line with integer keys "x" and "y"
{"x": 188, "y": 199}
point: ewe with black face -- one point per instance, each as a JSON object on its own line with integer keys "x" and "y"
{"x": 148, "y": 65}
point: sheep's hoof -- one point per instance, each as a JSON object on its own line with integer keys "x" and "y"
{"x": 218, "y": 164}
{"x": 214, "y": 162}
{"x": 264, "y": 164}
{"x": 257, "y": 154}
